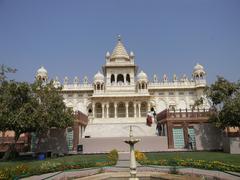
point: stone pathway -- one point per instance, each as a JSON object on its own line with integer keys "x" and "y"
{"x": 124, "y": 160}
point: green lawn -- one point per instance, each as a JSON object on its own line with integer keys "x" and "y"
{"x": 233, "y": 159}
{"x": 65, "y": 159}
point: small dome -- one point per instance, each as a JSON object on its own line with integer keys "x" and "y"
{"x": 142, "y": 76}
{"x": 132, "y": 54}
{"x": 42, "y": 70}
{"x": 42, "y": 73}
{"x": 107, "y": 55}
{"x": 99, "y": 77}
{"x": 198, "y": 70}
{"x": 198, "y": 67}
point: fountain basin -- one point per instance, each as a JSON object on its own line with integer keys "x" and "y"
{"x": 141, "y": 176}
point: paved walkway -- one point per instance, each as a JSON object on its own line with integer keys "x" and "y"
{"x": 124, "y": 160}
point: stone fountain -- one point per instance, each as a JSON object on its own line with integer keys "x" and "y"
{"x": 133, "y": 167}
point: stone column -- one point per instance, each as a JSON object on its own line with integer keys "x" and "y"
{"x": 126, "y": 104}
{"x": 93, "y": 110}
{"x": 149, "y": 107}
{"x": 107, "y": 110}
{"x": 135, "y": 110}
{"x": 103, "y": 111}
{"x": 115, "y": 109}
{"x": 139, "y": 110}
{"x": 115, "y": 78}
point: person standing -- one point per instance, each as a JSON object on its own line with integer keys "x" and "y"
{"x": 190, "y": 143}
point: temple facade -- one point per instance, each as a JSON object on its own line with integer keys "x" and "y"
{"x": 121, "y": 95}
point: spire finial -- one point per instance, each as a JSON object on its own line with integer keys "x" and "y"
{"x": 119, "y": 37}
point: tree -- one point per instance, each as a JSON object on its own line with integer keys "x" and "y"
{"x": 18, "y": 108}
{"x": 3, "y": 70}
{"x": 225, "y": 98}
{"x": 52, "y": 111}
{"x": 26, "y": 108}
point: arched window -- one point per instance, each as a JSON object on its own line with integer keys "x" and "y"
{"x": 128, "y": 78}
{"x": 111, "y": 110}
{"x": 112, "y": 78}
{"x": 143, "y": 86}
{"x": 121, "y": 110}
{"x": 98, "y": 86}
{"x": 143, "y": 109}
{"x": 98, "y": 110}
{"x": 120, "y": 78}
{"x": 130, "y": 109}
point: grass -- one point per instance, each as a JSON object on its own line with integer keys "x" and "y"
{"x": 68, "y": 159}
{"x": 233, "y": 159}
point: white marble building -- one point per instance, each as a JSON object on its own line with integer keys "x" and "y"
{"x": 120, "y": 95}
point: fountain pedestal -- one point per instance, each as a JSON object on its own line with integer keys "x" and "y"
{"x": 133, "y": 167}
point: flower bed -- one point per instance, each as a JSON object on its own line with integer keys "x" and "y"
{"x": 48, "y": 166}
{"x": 202, "y": 164}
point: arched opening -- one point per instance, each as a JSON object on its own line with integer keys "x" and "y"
{"x": 111, "y": 110}
{"x": 120, "y": 78}
{"x": 143, "y": 109}
{"x": 128, "y": 78}
{"x": 112, "y": 78}
{"x": 121, "y": 110}
{"x": 98, "y": 110}
{"x": 89, "y": 109}
{"x": 130, "y": 109}
{"x": 143, "y": 86}
{"x": 98, "y": 86}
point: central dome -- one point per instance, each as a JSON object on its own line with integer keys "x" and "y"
{"x": 119, "y": 51}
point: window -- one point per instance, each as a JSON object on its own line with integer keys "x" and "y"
{"x": 120, "y": 78}
{"x": 161, "y": 93}
{"x": 112, "y": 78}
{"x": 181, "y": 93}
{"x": 171, "y": 93}
{"x": 128, "y": 78}
{"x": 191, "y": 93}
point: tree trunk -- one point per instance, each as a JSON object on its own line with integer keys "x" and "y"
{"x": 11, "y": 149}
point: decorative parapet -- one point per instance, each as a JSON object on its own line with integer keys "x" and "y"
{"x": 77, "y": 87}
{"x": 178, "y": 84}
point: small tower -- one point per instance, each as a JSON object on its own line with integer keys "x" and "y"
{"x": 107, "y": 57}
{"x": 42, "y": 74}
{"x": 98, "y": 82}
{"x": 56, "y": 82}
{"x": 142, "y": 82}
{"x": 198, "y": 72}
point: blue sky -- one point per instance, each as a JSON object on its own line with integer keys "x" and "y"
{"x": 70, "y": 38}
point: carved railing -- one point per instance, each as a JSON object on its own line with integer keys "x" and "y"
{"x": 183, "y": 113}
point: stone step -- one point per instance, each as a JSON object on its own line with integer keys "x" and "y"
{"x": 123, "y": 156}
{"x": 119, "y": 130}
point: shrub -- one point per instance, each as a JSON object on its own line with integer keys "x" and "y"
{"x": 49, "y": 166}
{"x": 140, "y": 156}
{"x": 113, "y": 155}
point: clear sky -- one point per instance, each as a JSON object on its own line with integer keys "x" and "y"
{"x": 70, "y": 38}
